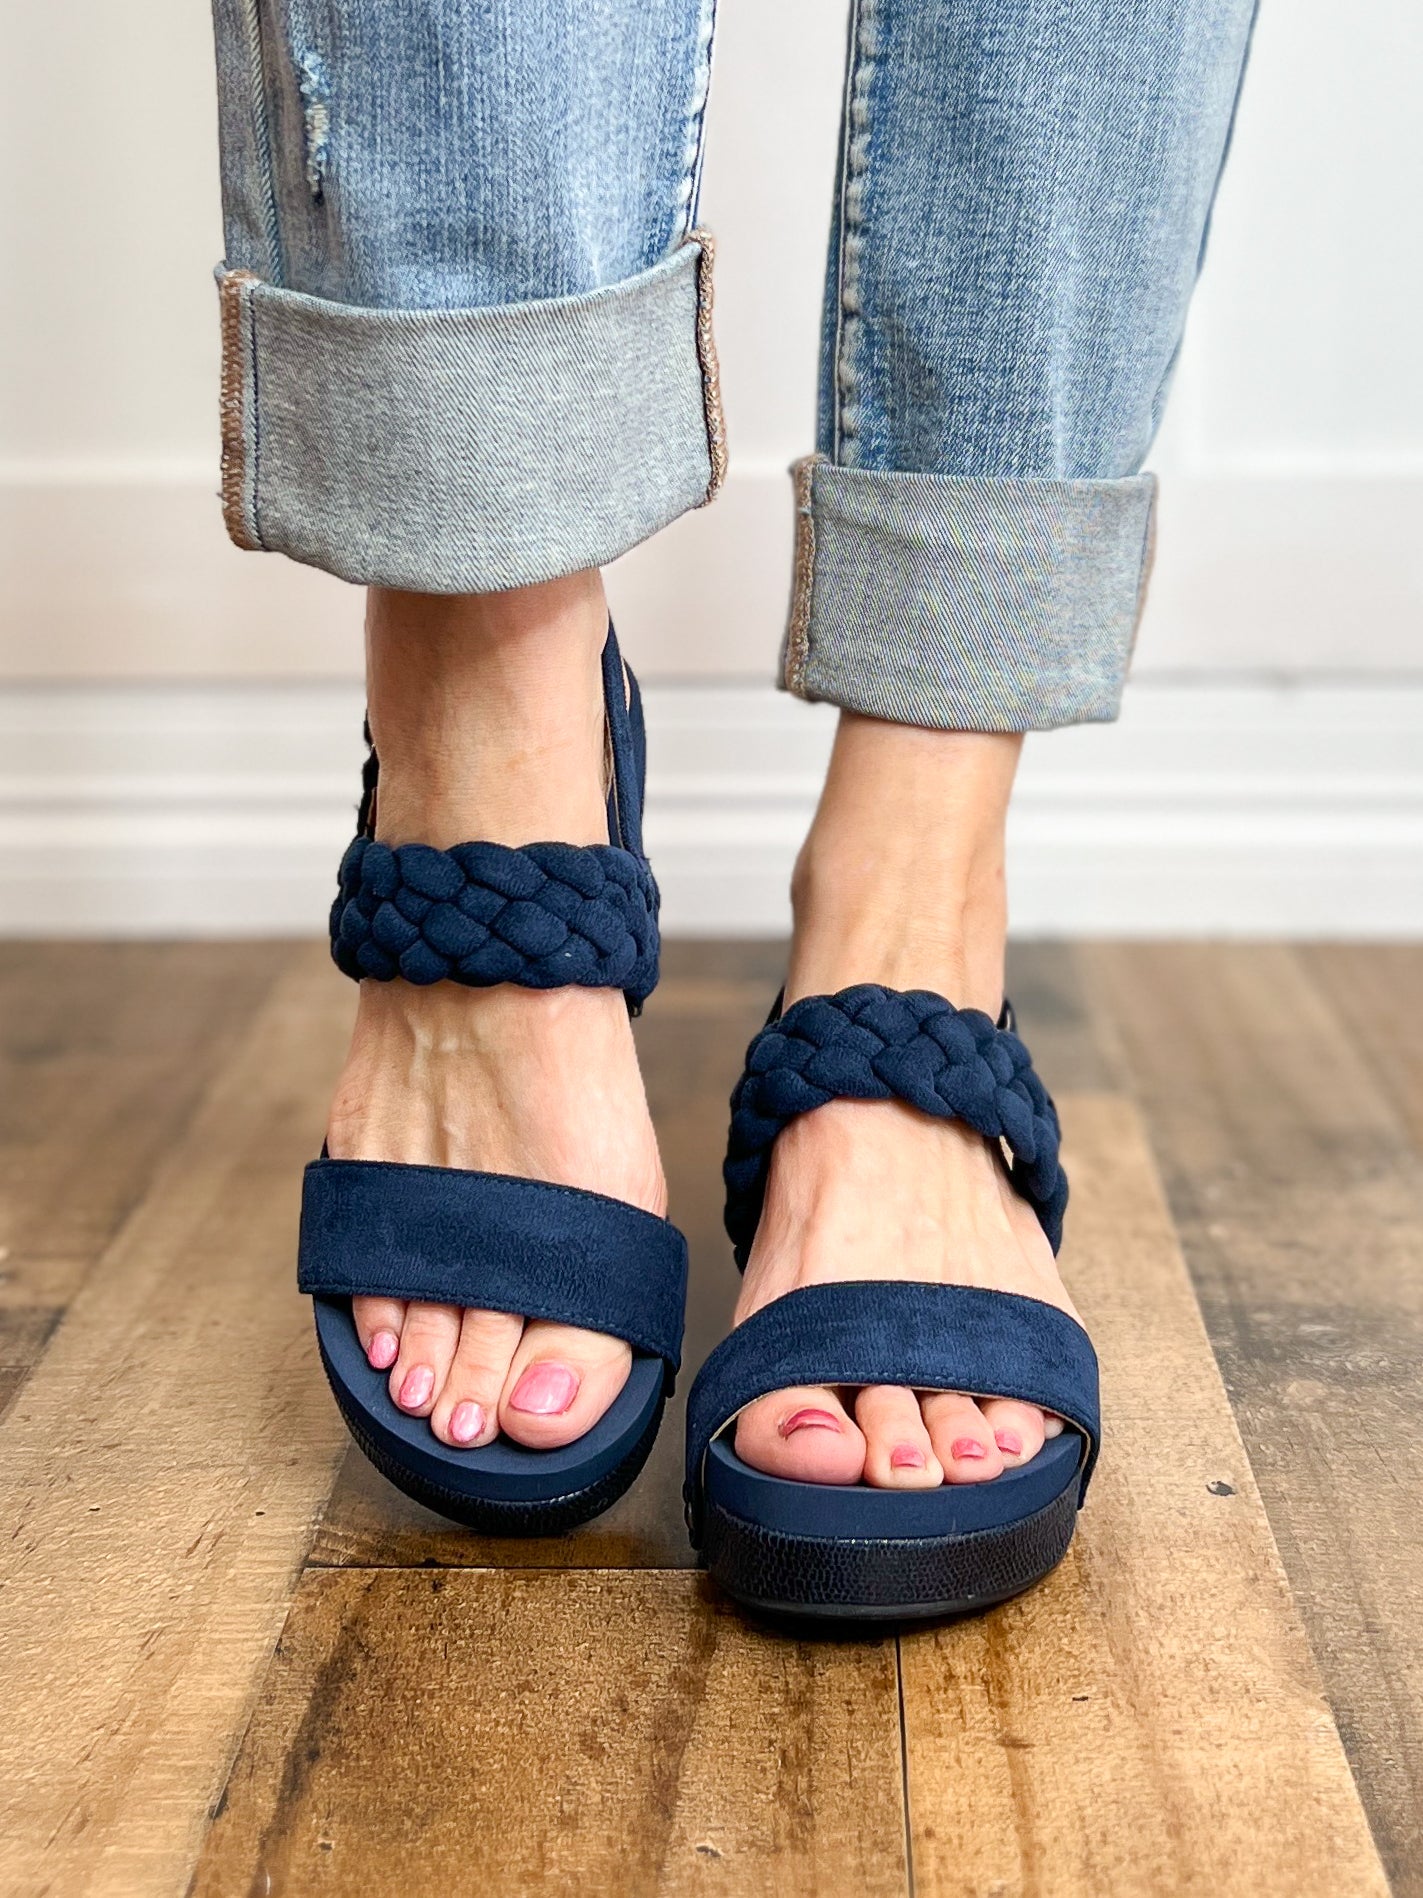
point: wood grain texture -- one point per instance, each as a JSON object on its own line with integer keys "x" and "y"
{"x": 1149, "y": 1721}
{"x": 159, "y": 1475}
{"x": 104, "y": 1048}
{"x": 1056, "y": 1020}
{"x": 1376, "y": 990}
{"x": 691, "y": 1041}
{"x": 1298, "y": 1197}
{"x": 451, "y": 1714}
{"x": 498, "y": 1733}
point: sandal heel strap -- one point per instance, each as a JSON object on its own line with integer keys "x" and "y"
{"x": 874, "y": 1043}
{"x": 543, "y": 916}
{"x": 547, "y": 915}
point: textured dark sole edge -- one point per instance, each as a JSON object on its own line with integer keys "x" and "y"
{"x": 551, "y": 1518}
{"x": 920, "y": 1578}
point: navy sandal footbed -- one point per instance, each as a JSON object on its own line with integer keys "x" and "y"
{"x": 548, "y": 915}
{"x": 504, "y": 1488}
{"x": 867, "y": 1513}
{"x": 856, "y": 1552}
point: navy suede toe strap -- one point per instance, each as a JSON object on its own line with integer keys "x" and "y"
{"x": 930, "y": 1337}
{"x": 369, "y": 1228}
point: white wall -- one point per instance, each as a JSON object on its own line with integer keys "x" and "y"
{"x": 1291, "y": 554}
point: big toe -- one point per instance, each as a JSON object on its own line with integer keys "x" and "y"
{"x": 804, "y": 1433}
{"x": 560, "y": 1383}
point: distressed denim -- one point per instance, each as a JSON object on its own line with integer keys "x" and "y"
{"x": 467, "y": 337}
{"x": 465, "y": 314}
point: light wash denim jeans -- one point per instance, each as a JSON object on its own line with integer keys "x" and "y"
{"x": 467, "y": 335}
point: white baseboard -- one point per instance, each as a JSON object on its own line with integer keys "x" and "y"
{"x": 1213, "y": 808}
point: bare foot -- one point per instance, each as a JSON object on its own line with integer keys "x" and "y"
{"x": 487, "y": 715}
{"x": 901, "y": 883}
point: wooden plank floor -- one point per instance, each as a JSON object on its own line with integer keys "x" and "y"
{"x": 234, "y": 1661}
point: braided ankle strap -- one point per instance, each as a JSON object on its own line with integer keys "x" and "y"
{"x": 544, "y": 916}
{"x": 877, "y": 1044}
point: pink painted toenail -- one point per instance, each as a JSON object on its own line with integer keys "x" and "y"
{"x": 808, "y": 1420}
{"x": 966, "y": 1447}
{"x": 466, "y": 1423}
{"x": 545, "y": 1390}
{"x": 415, "y": 1391}
{"x": 904, "y": 1456}
{"x": 1009, "y": 1442}
{"x": 384, "y": 1349}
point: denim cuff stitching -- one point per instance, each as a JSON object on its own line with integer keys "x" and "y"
{"x": 470, "y": 450}
{"x": 797, "y": 641}
{"x": 234, "y": 403}
{"x": 717, "y": 452}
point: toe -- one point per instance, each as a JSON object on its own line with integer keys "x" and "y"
{"x": 961, "y": 1436}
{"x": 1018, "y": 1429}
{"x": 466, "y": 1414}
{"x": 427, "y": 1347}
{"x": 805, "y": 1433}
{"x": 560, "y": 1382}
{"x": 379, "y": 1322}
{"x": 898, "y": 1452}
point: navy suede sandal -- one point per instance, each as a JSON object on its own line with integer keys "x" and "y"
{"x": 859, "y": 1553}
{"x": 547, "y": 915}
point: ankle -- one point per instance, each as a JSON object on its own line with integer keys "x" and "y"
{"x": 548, "y": 790}
{"x": 901, "y": 879}
{"x": 901, "y": 931}
{"x": 487, "y": 713}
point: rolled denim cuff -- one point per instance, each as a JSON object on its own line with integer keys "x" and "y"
{"x": 966, "y": 603}
{"x": 469, "y": 450}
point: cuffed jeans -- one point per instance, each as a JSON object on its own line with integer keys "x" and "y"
{"x": 466, "y": 315}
